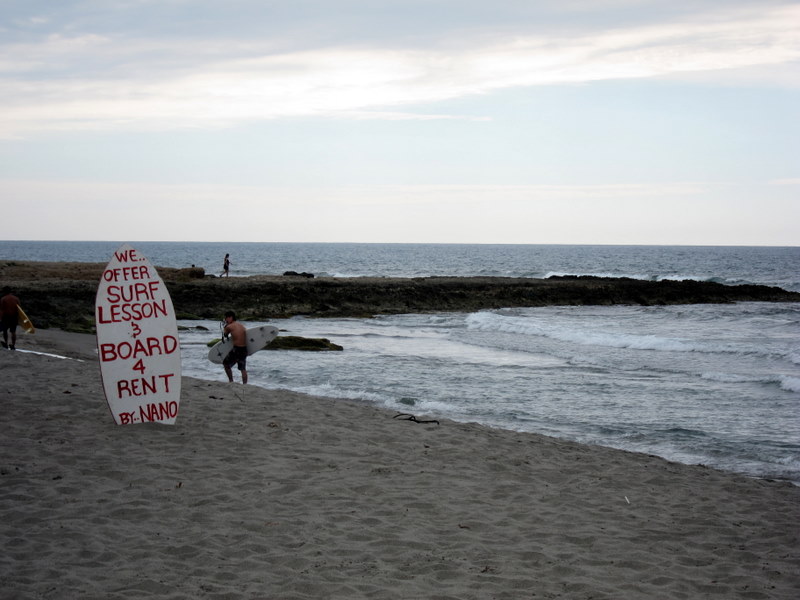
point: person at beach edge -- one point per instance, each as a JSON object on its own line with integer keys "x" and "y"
{"x": 226, "y": 266}
{"x": 238, "y": 355}
{"x": 9, "y": 317}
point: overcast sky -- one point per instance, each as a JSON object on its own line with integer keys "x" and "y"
{"x": 474, "y": 121}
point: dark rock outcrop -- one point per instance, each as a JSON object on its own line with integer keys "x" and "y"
{"x": 62, "y": 294}
{"x": 294, "y": 342}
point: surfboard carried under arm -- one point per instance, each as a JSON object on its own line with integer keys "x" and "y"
{"x": 24, "y": 321}
{"x": 257, "y": 338}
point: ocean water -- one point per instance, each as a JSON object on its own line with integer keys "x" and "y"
{"x": 700, "y": 384}
{"x": 778, "y": 266}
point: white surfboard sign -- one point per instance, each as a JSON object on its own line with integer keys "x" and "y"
{"x": 137, "y": 341}
{"x": 257, "y": 338}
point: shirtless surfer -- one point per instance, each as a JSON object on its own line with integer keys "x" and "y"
{"x": 238, "y": 354}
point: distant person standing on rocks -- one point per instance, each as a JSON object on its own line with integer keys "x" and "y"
{"x": 226, "y": 265}
{"x": 9, "y": 317}
{"x": 238, "y": 355}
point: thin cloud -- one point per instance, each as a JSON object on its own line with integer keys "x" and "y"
{"x": 453, "y": 213}
{"x": 93, "y": 82}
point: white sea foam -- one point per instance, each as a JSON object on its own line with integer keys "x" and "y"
{"x": 653, "y": 277}
{"x": 602, "y": 332}
{"x": 486, "y": 321}
{"x": 328, "y": 390}
{"x": 604, "y": 275}
{"x": 784, "y": 382}
{"x": 790, "y": 384}
{"x": 735, "y": 378}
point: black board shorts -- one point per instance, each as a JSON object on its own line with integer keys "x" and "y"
{"x": 238, "y": 355}
{"x": 9, "y": 323}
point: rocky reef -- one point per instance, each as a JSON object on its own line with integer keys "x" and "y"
{"x": 63, "y": 294}
{"x": 295, "y": 342}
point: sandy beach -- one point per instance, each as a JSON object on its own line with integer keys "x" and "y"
{"x": 264, "y": 494}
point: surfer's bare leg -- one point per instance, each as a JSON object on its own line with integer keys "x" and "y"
{"x": 229, "y": 373}
{"x": 244, "y": 376}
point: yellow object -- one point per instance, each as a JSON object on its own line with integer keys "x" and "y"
{"x": 24, "y": 321}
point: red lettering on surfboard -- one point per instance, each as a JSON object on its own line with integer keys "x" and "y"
{"x": 136, "y": 291}
{"x": 132, "y": 311}
{"x": 151, "y": 346}
{"x": 158, "y": 411}
{"x": 126, "y": 418}
{"x": 148, "y": 413}
{"x": 127, "y": 273}
{"x": 129, "y": 255}
{"x": 143, "y": 386}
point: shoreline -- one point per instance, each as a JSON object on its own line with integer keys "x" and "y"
{"x": 82, "y": 346}
{"x": 274, "y": 494}
{"x": 62, "y": 294}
